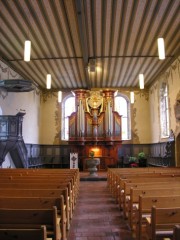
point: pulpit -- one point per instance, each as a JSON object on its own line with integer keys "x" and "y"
{"x": 11, "y": 139}
{"x": 95, "y": 125}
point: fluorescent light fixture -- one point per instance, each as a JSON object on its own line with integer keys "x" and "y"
{"x": 27, "y": 50}
{"x": 141, "y": 81}
{"x": 48, "y": 81}
{"x": 132, "y": 97}
{"x": 161, "y": 48}
{"x": 59, "y": 96}
{"x": 92, "y": 65}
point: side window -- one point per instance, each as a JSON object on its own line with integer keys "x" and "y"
{"x": 122, "y": 106}
{"x": 164, "y": 111}
{"x": 68, "y": 107}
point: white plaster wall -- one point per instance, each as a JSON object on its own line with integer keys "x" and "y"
{"x": 154, "y": 113}
{"x": 48, "y": 120}
{"x": 174, "y": 91}
{"x": 172, "y": 77}
{"x": 11, "y": 103}
{"x": 141, "y": 121}
{"x": 30, "y": 102}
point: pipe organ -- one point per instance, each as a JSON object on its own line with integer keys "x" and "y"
{"x": 95, "y": 123}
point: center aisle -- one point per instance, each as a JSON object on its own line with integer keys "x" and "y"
{"x": 96, "y": 216}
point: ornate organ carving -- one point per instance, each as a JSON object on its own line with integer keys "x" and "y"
{"x": 95, "y": 121}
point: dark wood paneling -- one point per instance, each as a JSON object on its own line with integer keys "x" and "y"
{"x": 158, "y": 154}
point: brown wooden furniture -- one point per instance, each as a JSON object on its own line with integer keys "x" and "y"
{"x": 162, "y": 222}
{"x": 41, "y": 189}
{"x": 145, "y": 205}
{"x": 30, "y": 219}
{"x": 22, "y": 202}
{"x": 23, "y": 234}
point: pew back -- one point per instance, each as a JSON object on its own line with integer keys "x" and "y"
{"x": 24, "y": 234}
{"x": 30, "y": 219}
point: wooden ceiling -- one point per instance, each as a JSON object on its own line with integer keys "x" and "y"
{"x": 120, "y": 35}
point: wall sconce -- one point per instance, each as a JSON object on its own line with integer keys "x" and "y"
{"x": 141, "y": 81}
{"x": 48, "y": 81}
{"x": 161, "y": 48}
{"x": 59, "y": 96}
{"x": 27, "y": 50}
{"x": 132, "y": 97}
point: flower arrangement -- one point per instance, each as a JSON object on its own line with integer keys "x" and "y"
{"x": 141, "y": 155}
{"x": 132, "y": 159}
{"x": 142, "y": 159}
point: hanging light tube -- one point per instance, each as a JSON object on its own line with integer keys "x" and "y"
{"x": 59, "y": 96}
{"x": 161, "y": 48}
{"x": 48, "y": 81}
{"x": 27, "y": 50}
{"x": 141, "y": 81}
{"x": 132, "y": 97}
{"x": 92, "y": 65}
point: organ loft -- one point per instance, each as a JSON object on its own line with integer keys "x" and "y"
{"x": 95, "y": 126}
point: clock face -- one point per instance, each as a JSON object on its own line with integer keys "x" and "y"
{"x": 95, "y": 100}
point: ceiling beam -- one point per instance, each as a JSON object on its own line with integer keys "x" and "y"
{"x": 83, "y": 37}
{"x": 97, "y": 57}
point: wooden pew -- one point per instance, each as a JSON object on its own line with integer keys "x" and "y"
{"x": 135, "y": 178}
{"x": 38, "y": 203}
{"x": 46, "y": 179}
{"x": 162, "y": 222}
{"x": 68, "y": 198}
{"x": 42, "y": 179}
{"x": 30, "y": 219}
{"x": 23, "y": 234}
{"x": 117, "y": 179}
{"x": 145, "y": 205}
{"x": 135, "y": 193}
{"x": 128, "y": 200}
{"x": 176, "y": 232}
{"x": 41, "y": 193}
{"x": 42, "y": 183}
{"x": 125, "y": 194}
{"x": 114, "y": 174}
{"x": 65, "y": 175}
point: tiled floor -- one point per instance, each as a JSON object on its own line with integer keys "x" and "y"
{"x": 96, "y": 216}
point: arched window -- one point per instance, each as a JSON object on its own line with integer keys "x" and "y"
{"x": 68, "y": 107}
{"x": 122, "y": 106}
{"x": 164, "y": 111}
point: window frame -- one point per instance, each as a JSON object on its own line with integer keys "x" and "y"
{"x": 164, "y": 111}
{"x": 63, "y": 127}
{"x": 128, "y": 117}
